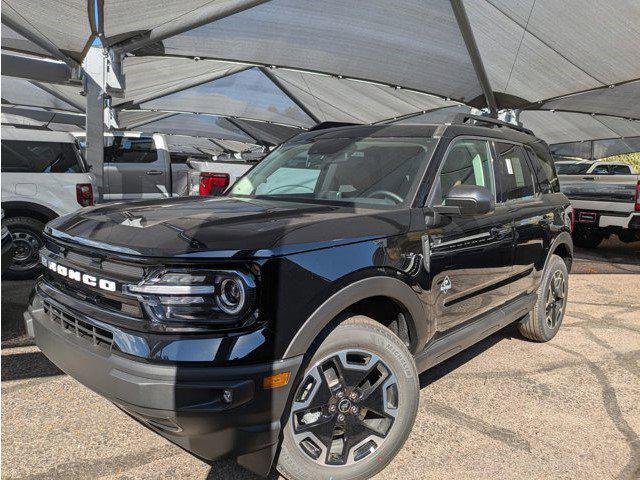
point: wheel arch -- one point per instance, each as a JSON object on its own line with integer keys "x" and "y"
{"x": 28, "y": 209}
{"x": 351, "y": 299}
{"x": 562, "y": 246}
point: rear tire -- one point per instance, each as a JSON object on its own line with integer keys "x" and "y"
{"x": 543, "y": 322}
{"x": 373, "y": 368}
{"x": 28, "y": 239}
{"x": 587, "y": 238}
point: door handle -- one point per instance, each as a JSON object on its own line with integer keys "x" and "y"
{"x": 153, "y": 172}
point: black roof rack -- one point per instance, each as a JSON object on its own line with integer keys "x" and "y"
{"x": 462, "y": 118}
{"x": 326, "y": 125}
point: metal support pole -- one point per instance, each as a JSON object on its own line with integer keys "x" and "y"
{"x": 470, "y": 42}
{"x": 94, "y": 151}
{"x": 102, "y": 70}
{"x": 289, "y": 94}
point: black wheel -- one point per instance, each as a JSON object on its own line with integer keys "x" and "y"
{"x": 544, "y": 321}
{"x": 586, "y": 238}
{"x": 27, "y": 242}
{"x": 354, "y": 407}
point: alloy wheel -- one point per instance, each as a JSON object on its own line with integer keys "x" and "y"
{"x": 344, "y": 408}
{"x": 556, "y": 294}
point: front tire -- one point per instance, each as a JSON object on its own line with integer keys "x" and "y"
{"x": 355, "y": 406}
{"x": 28, "y": 239}
{"x": 543, "y": 322}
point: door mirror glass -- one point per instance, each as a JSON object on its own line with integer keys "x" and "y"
{"x": 470, "y": 200}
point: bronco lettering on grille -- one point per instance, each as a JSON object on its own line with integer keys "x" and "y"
{"x": 70, "y": 273}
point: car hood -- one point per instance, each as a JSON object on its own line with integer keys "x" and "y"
{"x": 224, "y": 227}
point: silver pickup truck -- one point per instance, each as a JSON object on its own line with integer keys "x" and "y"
{"x": 604, "y": 205}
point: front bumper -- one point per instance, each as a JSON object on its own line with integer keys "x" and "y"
{"x": 183, "y": 402}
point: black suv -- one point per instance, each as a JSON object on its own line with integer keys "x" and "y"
{"x": 291, "y": 317}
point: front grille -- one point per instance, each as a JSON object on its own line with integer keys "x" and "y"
{"x": 100, "y": 267}
{"x": 97, "y": 336}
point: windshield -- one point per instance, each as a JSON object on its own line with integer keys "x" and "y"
{"x": 578, "y": 168}
{"x": 364, "y": 171}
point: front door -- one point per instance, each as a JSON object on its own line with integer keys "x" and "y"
{"x": 478, "y": 250}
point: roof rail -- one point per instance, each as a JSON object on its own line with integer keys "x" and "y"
{"x": 326, "y": 125}
{"x": 462, "y": 118}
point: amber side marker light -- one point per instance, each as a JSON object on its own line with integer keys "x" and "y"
{"x": 275, "y": 381}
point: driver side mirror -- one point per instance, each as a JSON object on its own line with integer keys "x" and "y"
{"x": 467, "y": 200}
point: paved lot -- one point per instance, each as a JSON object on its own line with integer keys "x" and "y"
{"x": 507, "y": 408}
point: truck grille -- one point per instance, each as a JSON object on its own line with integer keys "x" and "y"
{"x": 97, "y": 336}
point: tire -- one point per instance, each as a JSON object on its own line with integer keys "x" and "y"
{"x": 587, "y": 238}
{"x": 358, "y": 346}
{"x": 543, "y": 322}
{"x": 28, "y": 239}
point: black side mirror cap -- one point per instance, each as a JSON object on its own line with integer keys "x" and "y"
{"x": 467, "y": 200}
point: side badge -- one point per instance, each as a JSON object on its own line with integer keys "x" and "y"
{"x": 445, "y": 285}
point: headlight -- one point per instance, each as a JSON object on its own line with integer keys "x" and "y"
{"x": 211, "y": 297}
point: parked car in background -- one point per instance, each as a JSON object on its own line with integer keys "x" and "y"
{"x": 7, "y": 247}
{"x": 606, "y": 201}
{"x": 140, "y": 166}
{"x": 43, "y": 177}
{"x": 566, "y": 166}
{"x": 209, "y": 177}
{"x": 293, "y": 315}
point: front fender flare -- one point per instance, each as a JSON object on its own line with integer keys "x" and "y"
{"x": 378, "y": 286}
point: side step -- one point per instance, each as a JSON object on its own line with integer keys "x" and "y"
{"x": 440, "y": 349}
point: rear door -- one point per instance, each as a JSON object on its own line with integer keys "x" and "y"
{"x": 532, "y": 216}
{"x": 134, "y": 169}
{"x": 478, "y": 250}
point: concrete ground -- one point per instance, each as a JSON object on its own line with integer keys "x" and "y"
{"x": 506, "y": 408}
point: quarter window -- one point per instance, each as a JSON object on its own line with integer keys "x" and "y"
{"x": 468, "y": 163}
{"x": 514, "y": 173}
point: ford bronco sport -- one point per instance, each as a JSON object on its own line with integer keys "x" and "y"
{"x": 286, "y": 322}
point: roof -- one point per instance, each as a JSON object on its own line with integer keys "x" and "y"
{"x": 34, "y": 135}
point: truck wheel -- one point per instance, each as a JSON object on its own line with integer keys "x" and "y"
{"x": 587, "y": 238}
{"x": 543, "y": 322}
{"x": 629, "y": 236}
{"x": 355, "y": 406}
{"x": 27, "y": 242}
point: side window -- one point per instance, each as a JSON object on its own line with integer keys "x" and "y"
{"x": 129, "y": 150}
{"x": 543, "y": 166}
{"x": 514, "y": 173}
{"x": 39, "y": 157}
{"x": 601, "y": 170}
{"x": 621, "y": 170}
{"x": 468, "y": 163}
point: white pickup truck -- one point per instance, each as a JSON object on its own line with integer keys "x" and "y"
{"x": 604, "y": 204}
{"x": 43, "y": 177}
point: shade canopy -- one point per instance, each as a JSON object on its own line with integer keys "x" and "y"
{"x": 61, "y": 28}
{"x": 21, "y": 92}
{"x": 259, "y": 71}
{"x": 36, "y": 118}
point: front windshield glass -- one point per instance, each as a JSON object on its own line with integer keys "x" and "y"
{"x": 364, "y": 171}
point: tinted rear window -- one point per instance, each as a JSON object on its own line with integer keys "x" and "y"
{"x": 39, "y": 157}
